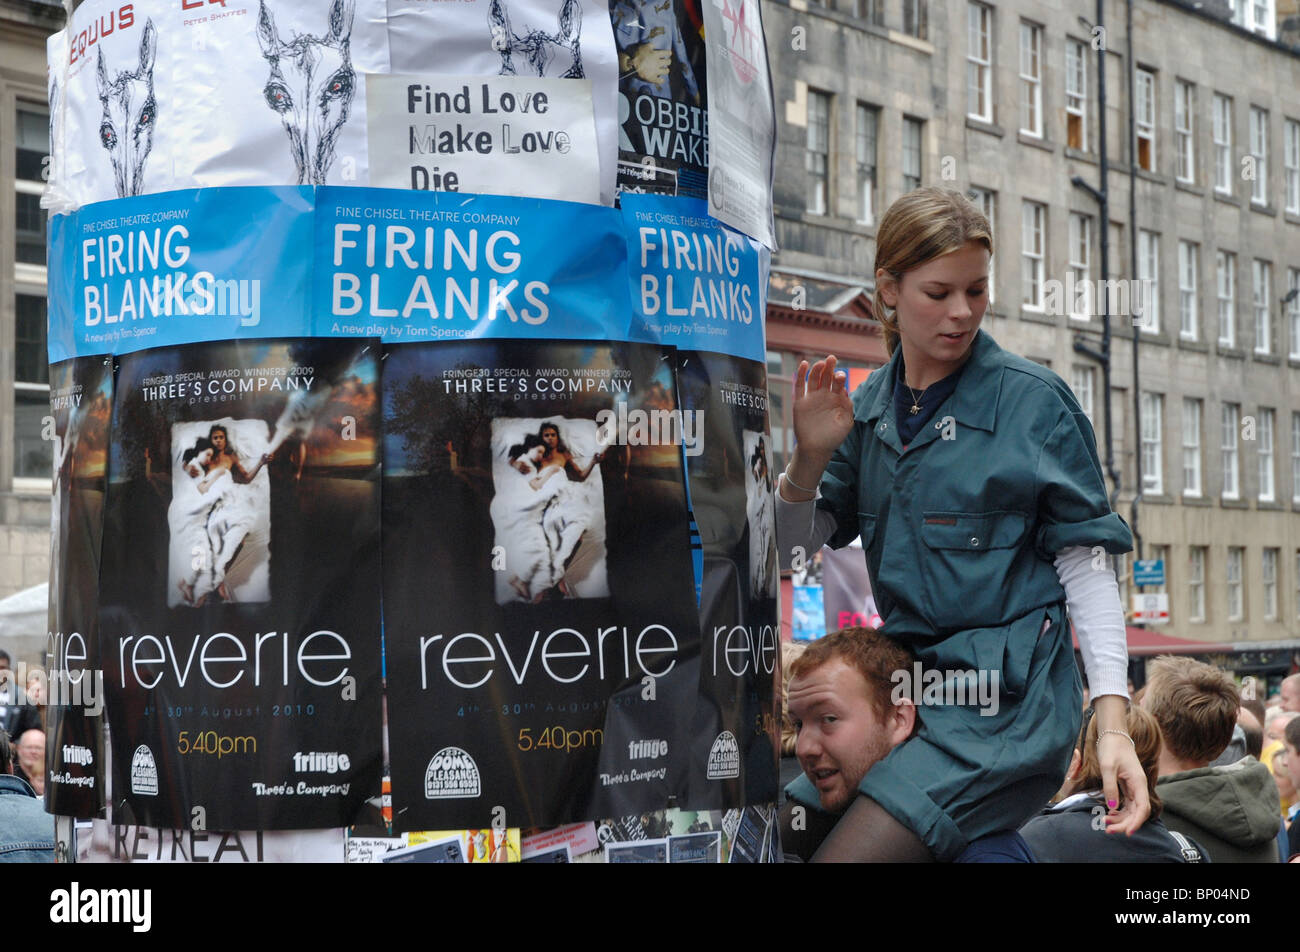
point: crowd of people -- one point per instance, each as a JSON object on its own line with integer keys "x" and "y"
{"x": 1220, "y": 787}
{"x": 26, "y": 830}
{"x": 1221, "y": 770}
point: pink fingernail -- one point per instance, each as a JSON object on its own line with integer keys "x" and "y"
{"x": 1111, "y": 804}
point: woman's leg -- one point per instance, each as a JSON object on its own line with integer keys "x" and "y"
{"x": 866, "y": 833}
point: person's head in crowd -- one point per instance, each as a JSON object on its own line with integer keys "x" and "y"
{"x": 1196, "y": 706}
{"x": 6, "y": 753}
{"x": 1290, "y": 693}
{"x": 36, "y": 683}
{"x": 1281, "y": 776}
{"x": 1254, "y": 736}
{"x": 1275, "y": 726}
{"x": 789, "y": 651}
{"x": 1084, "y": 775}
{"x": 1293, "y": 752}
{"x": 5, "y": 676}
{"x": 31, "y": 757}
{"x": 840, "y": 700}
{"x": 1255, "y": 707}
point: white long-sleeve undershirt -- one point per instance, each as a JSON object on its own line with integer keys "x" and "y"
{"x": 1091, "y": 592}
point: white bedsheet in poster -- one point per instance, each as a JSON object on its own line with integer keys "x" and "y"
{"x": 564, "y": 39}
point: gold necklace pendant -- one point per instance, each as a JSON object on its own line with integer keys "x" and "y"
{"x": 915, "y": 409}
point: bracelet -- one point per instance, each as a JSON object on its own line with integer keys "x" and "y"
{"x": 786, "y": 474}
{"x": 1121, "y": 733}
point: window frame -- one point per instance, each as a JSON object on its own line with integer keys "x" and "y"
{"x": 1185, "y": 133}
{"x": 1258, "y": 142}
{"x": 1261, "y": 279}
{"x": 815, "y": 150}
{"x": 1266, "y": 454}
{"x": 1189, "y": 253}
{"x": 1033, "y": 229}
{"x": 1236, "y": 560}
{"x": 1148, "y": 258}
{"x": 1197, "y": 557}
{"x": 986, "y": 200}
{"x": 1225, "y": 272}
{"x": 1144, "y": 116}
{"x": 28, "y": 279}
{"x": 979, "y": 70}
{"x": 1291, "y": 164}
{"x": 913, "y": 126}
{"x": 1221, "y": 132}
{"x": 1268, "y": 580}
{"x": 1193, "y": 414}
{"x": 1080, "y": 265}
{"x": 1076, "y": 91}
{"x": 1031, "y": 79}
{"x": 1152, "y": 443}
{"x": 866, "y": 171}
{"x": 1229, "y": 450}
{"x": 916, "y": 19}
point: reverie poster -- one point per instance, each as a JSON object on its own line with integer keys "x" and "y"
{"x": 542, "y": 641}
{"x": 733, "y": 759}
{"x": 81, "y": 394}
{"x": 240, "y": 586}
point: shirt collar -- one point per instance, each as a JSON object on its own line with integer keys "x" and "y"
{"x": 11, "y": 784}
{"x": 975, "y": 401}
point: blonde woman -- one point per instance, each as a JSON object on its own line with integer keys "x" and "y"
{"x": 971, "y": 475}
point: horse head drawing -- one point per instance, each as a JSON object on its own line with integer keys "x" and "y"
{"x": 546, "y": 54}
{"x": 130, "y": 114}
{"x": 310, "y": 86}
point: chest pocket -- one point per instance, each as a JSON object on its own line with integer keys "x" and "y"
{"x": 973, "y": 532}
{"x": 965, "y": 563}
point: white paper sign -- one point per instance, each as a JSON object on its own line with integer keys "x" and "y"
{"x": 1151, "y": 609}
{"x": 741, "y": 119}
{"x": 505, "y": 135}
{"x": 551, "y": 39}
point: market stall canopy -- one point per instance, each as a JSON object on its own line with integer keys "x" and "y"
{"x": 22, "y": 623}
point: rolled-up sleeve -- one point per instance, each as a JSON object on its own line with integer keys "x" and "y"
{"x": 839, "y": 488}
{"x": 1073, "y": 508}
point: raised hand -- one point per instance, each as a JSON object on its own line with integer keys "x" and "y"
{"x": 823, "y": 412}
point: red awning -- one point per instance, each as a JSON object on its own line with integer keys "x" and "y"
{"x": 1144, "y": 642}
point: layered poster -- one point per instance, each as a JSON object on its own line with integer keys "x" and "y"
{"x": 170, "y": 94}
{"x": 732, "y": 495}
{"x": 81, "y": 395}
{"x": 743, "y": 131}
{"x": 663, "y": 133}
{"x": 542, "y": 639}
{"x": 699, "y": 285}
{"x": 239, "y": 623}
